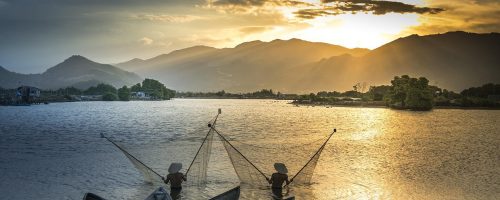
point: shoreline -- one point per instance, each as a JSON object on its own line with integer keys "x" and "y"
{"x": 381, "y": 106}
{"x": 346, "y": 105}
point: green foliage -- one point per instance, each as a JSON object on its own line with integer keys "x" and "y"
{"x": 124, "y": 94}
{"x": 261, "y": 94}
{"x": 377, "y": 93}
{"x": 157, "y": 90}
{"x": 69, "y": 91}
{"x": 313, "y": 97}
{"x": 410, "y": 93}
{"x": 329, "y": 94}
{"x": 352, "y": 93}
{"x": 477, "y": 102}
{"x": 418, "y": 99}
{"x": 220, "y": 93}
{"x": 109, "y": 97}
{"x": 67, "y": 97}
{"x": 450, "y": 94}
{"x": 264, "y": 93}
{"x": 483, "y": 91}
{"x": 100, "y": 89}
{"x": 136, "y": 88}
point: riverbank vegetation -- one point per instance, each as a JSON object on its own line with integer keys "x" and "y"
{"x": 149, "y": 89}
{"x": 404, "y": 92}
{"x": 261, "y": 94}
{"x": 410, "y": 93}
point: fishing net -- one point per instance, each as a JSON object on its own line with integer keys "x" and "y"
{"x": 244, "y": 168}
{"x": 150, "y": 176}
{"x": 254, "y": 160}
{"x": 197, "y": 172}
{"x": 304, "y": 176}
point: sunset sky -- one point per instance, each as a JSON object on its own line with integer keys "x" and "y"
{"x": 37, "y": 34}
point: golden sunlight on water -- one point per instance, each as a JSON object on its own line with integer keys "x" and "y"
{"x": 388, "y": 154}
{"x": 377, "y": 153}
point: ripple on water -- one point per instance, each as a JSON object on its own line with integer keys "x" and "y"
{"x": 55, "y": 150}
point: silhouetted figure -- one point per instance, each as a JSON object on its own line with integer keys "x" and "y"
{"x": 278, "y": 178}
{"x": 175, "y": 178}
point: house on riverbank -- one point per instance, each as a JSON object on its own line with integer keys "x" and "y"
{"x": 27, "y": 94}
{"x": 139, "y": 96}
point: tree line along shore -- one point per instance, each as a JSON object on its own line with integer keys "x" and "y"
{"x": 408, "y": 93}
{"x": 404, "y": 92}
{"x": 149, "y": 89}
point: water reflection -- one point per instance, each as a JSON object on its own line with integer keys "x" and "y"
{"x": 376, "y": 154}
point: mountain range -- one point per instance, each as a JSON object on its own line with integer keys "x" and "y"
{"x": 247, "y": 67}
{"x": 76, "y": 71}
{"x": 453, "y": 60}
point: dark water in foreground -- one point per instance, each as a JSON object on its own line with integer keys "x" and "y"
{"x": 55, "y": 152}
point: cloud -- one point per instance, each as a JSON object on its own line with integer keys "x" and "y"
{"x": 146, "y": 41}
{"x": 337, "y": 7}
{"x": 254, "y": 29}
{"x": 471, "y": 16}
{"x": 305, "y": 10}
{"x": 167, "y": 18}
{"x": 252, "y": 6}
{"x": 258, "y": 3}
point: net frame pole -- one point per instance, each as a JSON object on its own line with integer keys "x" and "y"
{"x": 127, "y": 153}
{"x": 312, "y": 157}
{"x": 204, "y": 140}
{"x": 221, "y": 136}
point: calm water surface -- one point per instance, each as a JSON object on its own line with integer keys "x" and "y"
{"x": 54, "y": 151}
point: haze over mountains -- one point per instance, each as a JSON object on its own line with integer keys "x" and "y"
{"x": 247, "y": 67}
{"x": 75, "y": 71}
{"x": 454, "y": 60}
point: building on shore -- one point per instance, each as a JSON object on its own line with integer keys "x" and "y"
{"x": 27, "y": 95}
{"x": 139, "y": 96}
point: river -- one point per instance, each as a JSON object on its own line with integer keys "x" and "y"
{"x": 55, "y": 152}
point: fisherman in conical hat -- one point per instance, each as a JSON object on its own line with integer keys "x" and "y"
{"x": 175, "y": 178}
{"x": 278, "y": 178}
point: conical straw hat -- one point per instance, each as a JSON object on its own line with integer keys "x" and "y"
{"x": 174, "y": 168}
{"x": 281, "y": 168}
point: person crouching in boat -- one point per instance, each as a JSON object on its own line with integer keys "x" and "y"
{"x": 175, "y": 178}
{"x": 278, "y": 178}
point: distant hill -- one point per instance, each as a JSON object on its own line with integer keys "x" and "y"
{"x": 246, "y": 67}
{"x": 454, "y": 60}
{"x": 75, "y": 71}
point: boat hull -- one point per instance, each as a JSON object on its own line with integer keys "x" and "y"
{"x": 232, "y": 194}
{"x": 159, "y": 194}
{"x": 92, "y": 196}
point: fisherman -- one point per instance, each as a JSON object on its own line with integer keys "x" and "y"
{"x": 175, "y": 178}
{"x": 278, "y": 178}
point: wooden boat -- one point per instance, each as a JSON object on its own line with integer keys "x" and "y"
{"x": 286, "y": 197}
{"x": 162, "y": 194}
{"x": 92, "y": 196}
{"x": 232, "y": 194}
{"x": 278, "y": 195}
{"x": 159, "y": 194}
